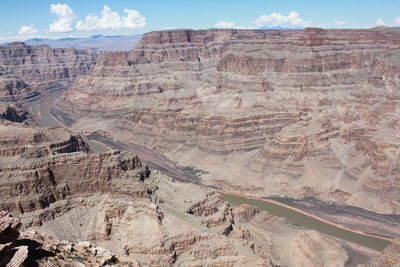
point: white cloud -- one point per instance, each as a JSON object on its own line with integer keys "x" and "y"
{"x": 339, "y": 22}
{"x": 397, "y": 20}
{"x": 65, "y": 17}
{"x": 379, "y": 22}
{"x": 224, "y": 24}
{"x": 28, "y": 30}
{"x": 112, "y": 20}
{"x": 293, "y": 20}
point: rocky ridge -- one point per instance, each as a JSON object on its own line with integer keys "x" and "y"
{"x": 13, "y": 113}
{"x": 27, "y": 70}
{"x": 299, "y": 113}
{"x": 35, "y": 249}
{"x": 111, "y": 200}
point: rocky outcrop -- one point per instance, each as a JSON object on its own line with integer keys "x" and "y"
{"x": 11, "y": 255}
{"x": 9, "y": 227}
{"x": 21, "y": 143}
{"x": 292, "y": 113}
{"x": 13, "y": 89}
{"x": 35, "y": 249}
{"x": 113, "y": 201}
{"x": 26, "y": 70}
{"x": 13, "y": 113}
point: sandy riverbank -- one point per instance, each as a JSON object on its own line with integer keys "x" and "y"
{"x": 336, "y": 225}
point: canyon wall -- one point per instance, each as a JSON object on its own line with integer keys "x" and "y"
{"x": 25, "y": 70}
{"x": 294, "y": 113}
{"x": 52, "y": 184}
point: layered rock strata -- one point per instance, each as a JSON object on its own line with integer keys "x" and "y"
{"x": 14, "y": 89}
{"x": 292, "y": 113}
{"x": 112, "y": 200}
{"x": 13, "y": 113}
{"x": 35, "y": 249}
{"x": 25, "y": 70}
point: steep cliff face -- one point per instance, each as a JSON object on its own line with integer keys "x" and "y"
{"x": 12, "y": 113}
{"x": 36, "y": 249}
{"x": 50, "y": 182}
{"x": 12, "y": 88}
{"x": 26, "y": 69}
{"x": 297, "y": 113}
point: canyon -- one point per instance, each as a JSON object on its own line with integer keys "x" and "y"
{"x": 55, "y": 186}
{"x": 26, "y": 71}
{"x": 293, "y": 113}
{"x": 307, "y": 117}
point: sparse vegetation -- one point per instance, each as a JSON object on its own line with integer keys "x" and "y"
{"x": 195, "y": 172}
{"x": 275, "y": 265}
{"x": 80, "y": 259}
{"x": 308, "y": 198}
{"x": 348, "y": 262}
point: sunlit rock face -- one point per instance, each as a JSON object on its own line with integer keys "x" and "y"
{"x": 293, "y": 113}
{"x": 25, "y": 69}
{"x": 53, "y": 185}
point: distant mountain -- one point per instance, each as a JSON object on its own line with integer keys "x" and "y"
{"x": 101, "y": 42}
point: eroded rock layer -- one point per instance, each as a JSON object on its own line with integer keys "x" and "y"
{"x": 53, "y": 185}
{"x": 24, "y": 70}
{"x": 12, "y": 113}
{"x": 293, "y": 113}
{"x": 36, "y": 249}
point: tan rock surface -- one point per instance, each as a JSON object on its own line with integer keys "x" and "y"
{"x": 19, "y": 257}
{"x": 292, "y": 113}
{"x": 111, "y": 209}
{"x": 24, "y": 69}
{"x": 35, "y": 249}
{"x": 9, "y": 227}
{"x": 114, "y": 201}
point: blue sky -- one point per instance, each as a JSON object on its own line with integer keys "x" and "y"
{"x": 21, "y": 20}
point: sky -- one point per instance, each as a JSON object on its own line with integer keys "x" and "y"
{"x": 21, "y": 20}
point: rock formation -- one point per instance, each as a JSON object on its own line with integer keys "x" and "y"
{"x": 13, "y": 113}
{"x": 12, "y": 89}
{"x": 25, "y": 70}
{"x": 112, "y": 200}
{"x": 266, "y": 112}
{"x": 10, "y": 254}
{"x": 295, "y": 113}
{"x": 35, "y": 249}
